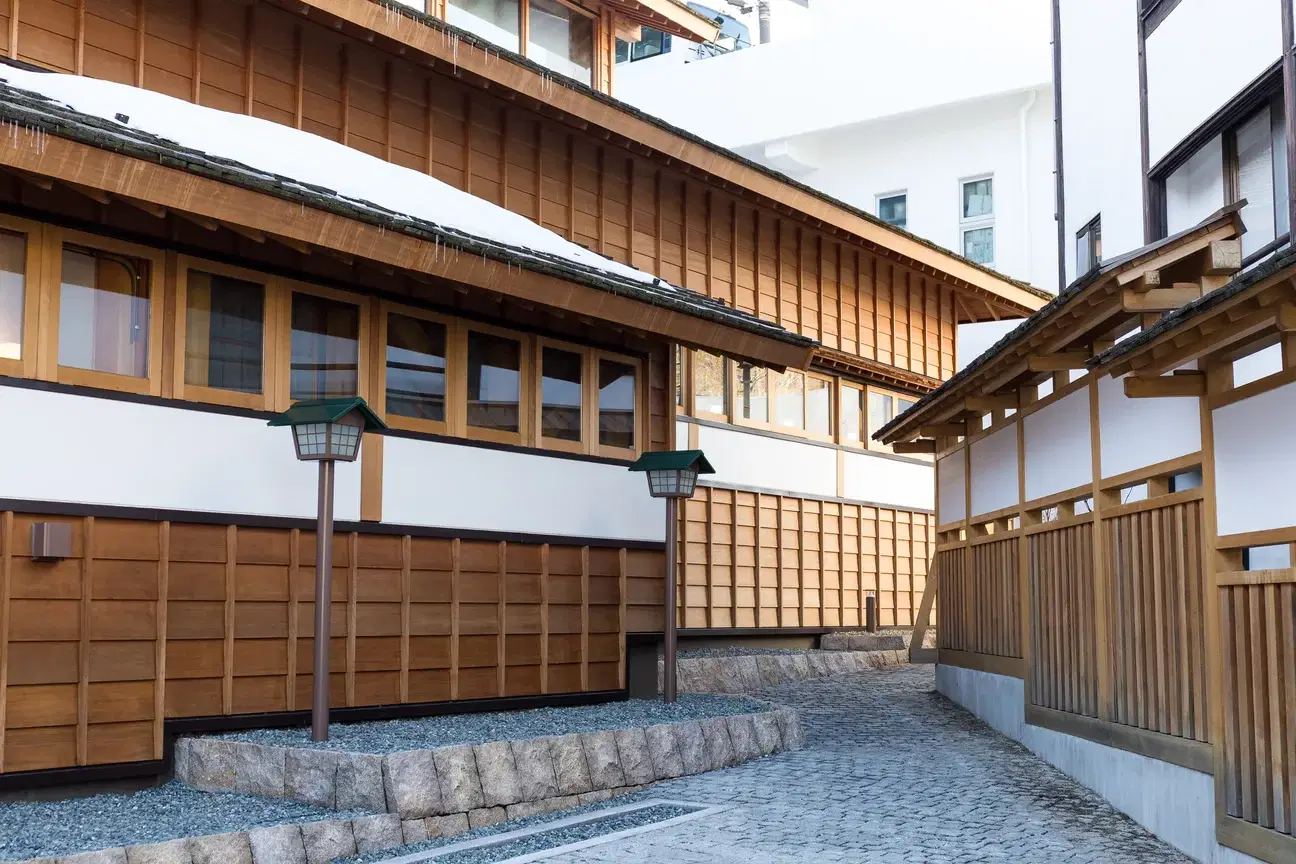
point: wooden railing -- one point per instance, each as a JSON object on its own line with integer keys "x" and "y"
{"x": 1258, "y": 665}
{"x": 1064, "y": 667}
{"x": 979, "y": 600}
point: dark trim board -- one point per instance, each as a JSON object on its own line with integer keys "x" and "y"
{"x": 1153, "y": 12}
{"x": 1011, "y": 667}
{"x": 1186, "y": 753}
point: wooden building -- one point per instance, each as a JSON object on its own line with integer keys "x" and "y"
{"x": 492, "y": 545}
{"x": 1115, "y": 533}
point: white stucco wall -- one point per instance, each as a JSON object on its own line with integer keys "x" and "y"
{"x": 1255, "y": 466}
{"x": 1058, "y": 454}
{"x": 1141, "y": 432}
{"x": 995, "y": 472}
{"x": 951, "y": 475}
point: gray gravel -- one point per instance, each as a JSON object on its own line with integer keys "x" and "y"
{"x": 53, "y": 828}
{"x": 393, "y": 736}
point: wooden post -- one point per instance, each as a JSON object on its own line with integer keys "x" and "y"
{"x": 227, "y": 670}
{"x": 159, "y": 644}
{"x": 6, "y": 578}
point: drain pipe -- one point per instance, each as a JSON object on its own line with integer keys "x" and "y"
{"x": 1024, "y": 133}
{"x": 1060, "y": 185}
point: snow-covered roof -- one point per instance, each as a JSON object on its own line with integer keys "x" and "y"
{"x": 272, "y": 157}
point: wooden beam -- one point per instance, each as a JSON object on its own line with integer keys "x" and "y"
{"x": 1160, "y": 299}
{"x": 152, "y": 209}
{"x": 1063, "y": 361}
{"x": 1285, "y": 319}
{"x": 908, "y": 448}
{"x": 1146, "y": 281}
{"x": 1178, "y": 384}
{"x": 982, "y": 404}
{"x": 250, "y": 233}
{"x": 943, "y": 430}
{"x": 1223, "y": 257}
{"x": 200, "y": 221}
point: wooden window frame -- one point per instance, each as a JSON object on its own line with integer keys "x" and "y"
{"x": 641, "y": 406}
{"x": 690, "y": 399}
{"x": 34, "y": 261}
{"x": 51, "y": 296}
{"x": 458, "y": 363}
{"x": 1092, "y": 231}
{"x": 976, "y": 223}
{"x": 271, "y": 333}
{"x": 283, "y": 356}
{"x": 770, "y": 425}
{"x": 453, "y": 399}
{"x": 833, "y": 407}
{"x": 589, "y": 397}
{"x": 865, "y": 438}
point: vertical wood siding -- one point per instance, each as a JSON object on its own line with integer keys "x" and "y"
{"x": 149, "y": 620}
{"x": 260, "y": 59}
{"x": 978, "y": 600}
{"x": 751, "y": 559}
{"x": 1064, "y": 671}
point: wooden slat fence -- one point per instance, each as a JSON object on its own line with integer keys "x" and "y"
{"x": 1064, "y": 664}
{"x": 979, "y": 600}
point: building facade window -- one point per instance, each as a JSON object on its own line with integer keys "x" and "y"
{"x": 885, "y": 407}
{"x": 416, "y": 368}
{"x": 13, "y": 294}
{"x": 894, "y": 209}
{"x": 498, "y": 21}
{"x": 753, "y": 393}
{"x": 652, "y": 43}
{"x": 852, "y": 415}
{"x": 324, "y": 354}
{"x": 104, "y": 313}
{"x": 789, "y": 400}
{"x": 976, "y": 220}
{"x": 819, "y": 406}
{"x": 494, "y": 383}
{"x": 710, "y": 384}
{"x": 224, "y": 342}
{"x": 616, "y": 406}
{"x": 562, "y": 382}
{"x": 1089, "y": 246}
{"x": 1196, "y": 189}
{"x": 559, "y": 35}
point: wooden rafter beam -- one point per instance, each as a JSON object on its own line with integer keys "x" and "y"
{"x": 145, "y": 207}
{"x": 1177, "y": 385}
{"x": 201, "y": 221}
{"x": 914, "y": 448}
{"x": 1160, "y": 299}
{"x": 1063, "y": 361}
{"x": 943, "y": 430}
{"x": 982, "y": 404}
{"x": 250, "y": 233}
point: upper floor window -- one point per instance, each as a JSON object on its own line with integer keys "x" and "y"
{"x": 616, "y": 404}
{"x": 325, "y": 348}
{"x": 13, "y": 294}
{"x": 224, "y": 340}
{"x": 894, "y": 209}
{"x": 1089, "y": 246}
{"x": 104, "y": 313}
{"x": 562, "y": 39}
{"x": 710, "y": 384}
{"x": 494, "y": 383}
{"x": 651, "y": 43}
{"x": 416, "y": 368}
{"x": 976, "y": 220}
{"x": 498, "y": 21}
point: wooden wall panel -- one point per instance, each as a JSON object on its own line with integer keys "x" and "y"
{"x": 750, "y": 559}
{"x": 1063, "y": 656}
{"x": 979, "y": 602}
{"x": 153, "y": 619}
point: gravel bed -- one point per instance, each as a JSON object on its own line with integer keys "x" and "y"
{"x": 36, "y": 829}
{"x": 394, "y": 736}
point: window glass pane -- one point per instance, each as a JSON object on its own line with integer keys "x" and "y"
{"x": 1083, "y": 261}
{"x": 494, "y": 20}
{"x": 894, "y": 210}
{"x": 978, "y": 245}
{"x": 494, "y": 382}
{"x": 1256, "y": 181}
{"x": 679, "y": 376}
{"x": 978, "y": 198}
{"x": 789, "y": 400}
{"x": 325, "y": 359}
{"x": 561, "y": 39}
{"x": 13, "y": 289}
{"x": 851, "y": 414}
{"x": 819, "y": 406}
{"x": 1196, "y": 189}
{"x": 1277, "y": 557}
{"x": 1282, "y": 215}
{"x": 881, "y": 411}
{"x": 416, "y": 368}
{"x": 753, "y": 392}
{"x": 710, "y": 387}
{"x": 104, "y": 313}
{"x": 616, "y": 404}
{"x": 224, "y": 332}
{"x": 560, "y": 394}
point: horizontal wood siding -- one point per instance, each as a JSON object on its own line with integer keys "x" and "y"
{"x": 261, "y": 59}
{"x": 755, "y": 560}
{"x": 1258, "y": 662}
{"x": 1064, "y": 666}
{"x": 1156, "y": 621}
{"x": 979, "y": 600}
{"x": 149, "y": 620}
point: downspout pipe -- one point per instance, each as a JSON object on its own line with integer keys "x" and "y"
{"x": 1289, "y": 108}
{"x": 1023, "y": 131}
{"x": 1058, "y": 178}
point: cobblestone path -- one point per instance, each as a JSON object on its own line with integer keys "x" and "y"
{"x": 892, "y": 772}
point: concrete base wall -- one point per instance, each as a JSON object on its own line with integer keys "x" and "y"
{"x": 1176, "y": 804}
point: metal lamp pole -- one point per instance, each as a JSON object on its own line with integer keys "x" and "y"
{"x": 668, "y": 674}
{"x": 323, "y": 602}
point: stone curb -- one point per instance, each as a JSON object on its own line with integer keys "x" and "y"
{"x": 750, "y": 672}
{"x": 482, "y": 782}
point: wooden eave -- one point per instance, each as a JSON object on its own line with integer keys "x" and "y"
{"x": 158, "y": 189}
{"x": 668, "y": 16}
{"x": 987, "y": 295}
{"x": 832, "y": 360}
{"x": 1091, "y": 316}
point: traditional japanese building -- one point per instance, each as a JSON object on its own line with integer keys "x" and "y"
{"x": 218, "y": 209}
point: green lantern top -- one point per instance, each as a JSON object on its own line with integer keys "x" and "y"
{"x": 673, "y": 460}
{"x": 329, "y": 411}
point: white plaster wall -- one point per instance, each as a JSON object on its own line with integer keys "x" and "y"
{"x": 476, "y": 488}
{"x": 1255, "y": 465}
{"x": 1184, "y": 87}
{"x": 907, "y": 485}
{"x": 1141, "y": 432}
{"x": 994, "y": 471}
{"x": 1058, "y": 453}
{"x": 951, "y": 474}
{"x": 88, "y": 450}
{"x": 743, "y": 459}
{"x": 1100, "y": 113}
{"x": 1176, "y": 804}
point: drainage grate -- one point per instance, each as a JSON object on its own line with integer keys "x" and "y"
{"x": 563, "y": 835}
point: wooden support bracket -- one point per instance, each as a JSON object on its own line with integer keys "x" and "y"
{"x": 1178, "y": 384}
{"x": 982, "y": 404}
{"x": 1161, "y": 299}
{"x": 1063, "y": 361}
{"x": 924, "y": 445}
{"x": 943, "y": 430}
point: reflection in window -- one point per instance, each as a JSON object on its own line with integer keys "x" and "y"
{"x": 710, "y": 384}
{"x": 789, "y": 400}
{"x": 894, "y": 210}
{"x": 881, "y": 411}
{"x": 13, "y": 289}
{"x": 560, "y": 394}
{"x": 852, "y": 412}
{"x": 104, "y": 313}
{"x": 1196, "y": 189}
{"x": 616, "y": 404}
{"x": 224, "y": 332}
{"x": 753, "y": 392}
{"x": 819, "y": 406}
{"x": 976, "y": 220}
{"x": 679, "y": 376}
{"x": 561, "y": 39}
{"x": 651, "y": 43}
{"x": 493, "y": 20}
{"x": 416, "y": 368}
{"x": 325, "y": 350}
{"x": 1255, "y": 173}
{"x": 978, "y": 245}
{"x": 494, "y": 382}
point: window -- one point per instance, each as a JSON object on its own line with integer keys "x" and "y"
{"x": 852, "y": 415}
{"x": 893, "y": 209}
{"x": 651, "y": 43}
{"x": 224, "y": 339}
{"x": 325, "y": 351}
{"x": 13, "y": 294}
{"x": 1089, "y": 246}
{"x": 976, "y": 223}
{"x": 1276, "y": 557}
{"x": 680, "y": 356}
{"x": 1196, "y": 189}
{"x": 884, "y": 407}
{"x": 497, "y": 21}
{"x": 561, "y": 39}
{"x": 104, "y": 313}
{"x": 494, "y": 382}
{"x": 789, "y": 400}
{"x": 818, "y": 406}
{"x": 416, "y": 368}
{"x": 616, "y": 409}
{"x": 710, "y": 384}
{"x": 561, "y": 386}
{"x": 753, "y": 392}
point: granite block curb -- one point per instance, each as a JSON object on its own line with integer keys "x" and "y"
{"x": 747, "y": 673}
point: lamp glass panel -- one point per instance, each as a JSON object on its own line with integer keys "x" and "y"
{"x": 312, "y": 440}
{"x": 344, "y": 440}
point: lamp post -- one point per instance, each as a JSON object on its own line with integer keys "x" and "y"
{"x": 671, "y": 475}
{"x": 326, "y": 431}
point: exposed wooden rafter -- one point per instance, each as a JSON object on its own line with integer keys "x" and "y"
{"x": 1178, "y": 384}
